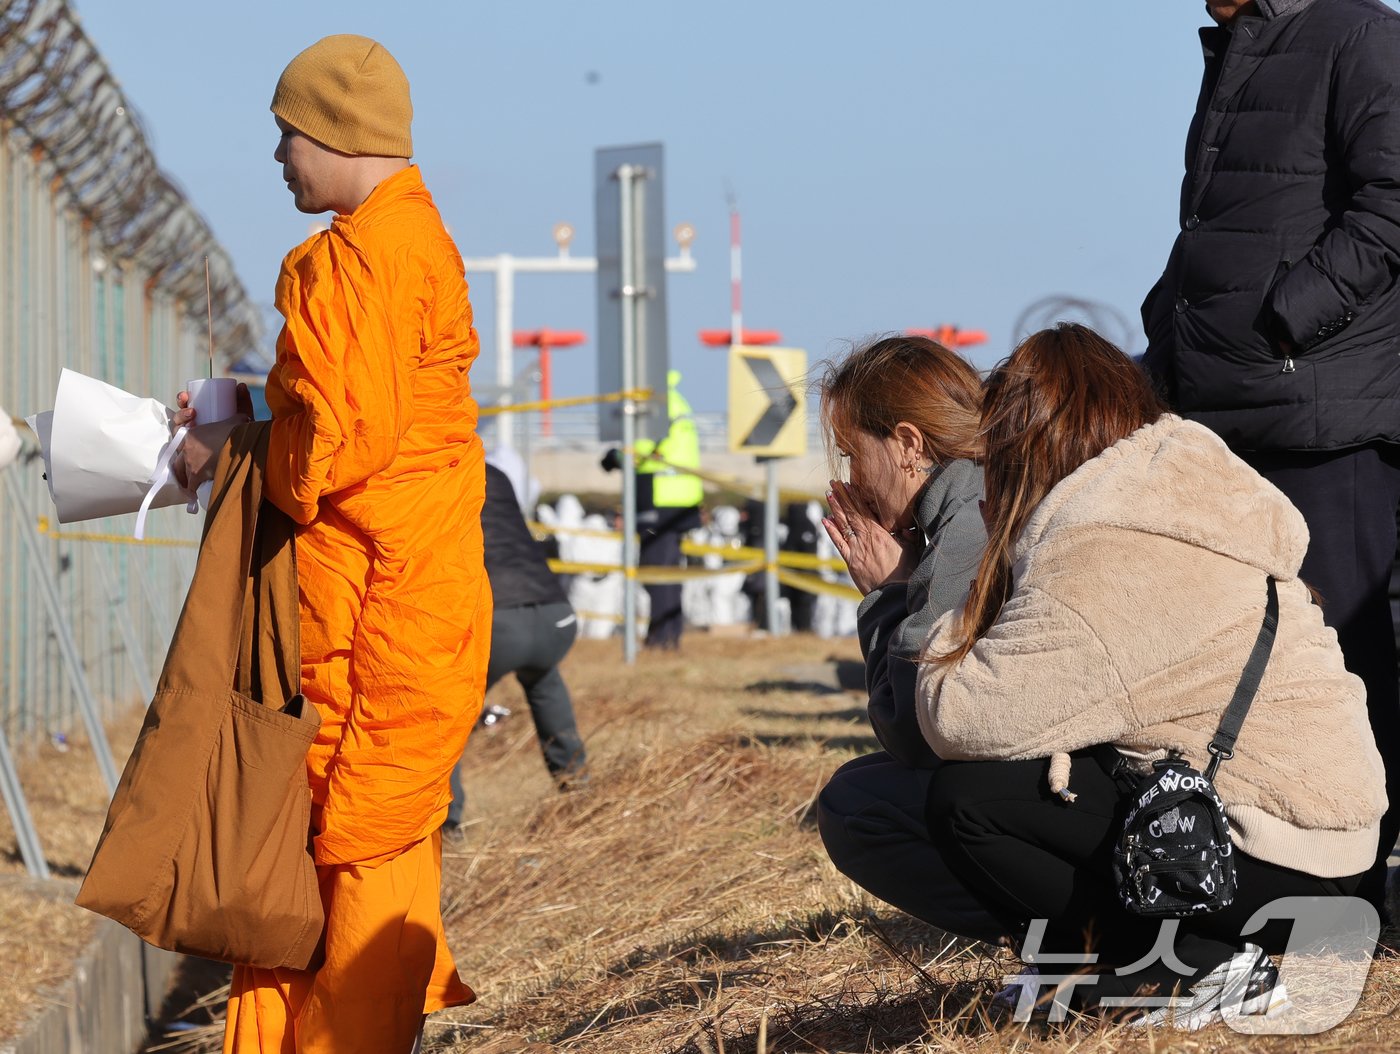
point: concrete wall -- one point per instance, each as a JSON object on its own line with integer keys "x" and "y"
{"x": 117, "y": 986}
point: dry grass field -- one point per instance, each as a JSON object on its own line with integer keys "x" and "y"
{"x": 41, "y": 931}
{"x": 682, "y": 902}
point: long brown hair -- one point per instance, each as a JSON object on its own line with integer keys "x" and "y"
{"x": 894, "y": 379}
{"x": 1064, "y": 396}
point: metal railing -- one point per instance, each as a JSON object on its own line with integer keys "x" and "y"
{"x": 101, "y": 270}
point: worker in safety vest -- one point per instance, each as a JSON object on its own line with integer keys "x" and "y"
{"x": 668, "y": 505}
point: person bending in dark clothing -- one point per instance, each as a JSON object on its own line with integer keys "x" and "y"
{"x": 532, "y": 629}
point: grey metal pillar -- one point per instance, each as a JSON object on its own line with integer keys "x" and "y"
{"x": 770, "y": 542}
{"x": 505, "y": 347}
{"x": 627, "y": 177}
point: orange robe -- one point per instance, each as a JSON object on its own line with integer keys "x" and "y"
{"x": 374, "y": 453}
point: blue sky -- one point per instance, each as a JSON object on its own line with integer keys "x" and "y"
{"x": 896, "y": 163}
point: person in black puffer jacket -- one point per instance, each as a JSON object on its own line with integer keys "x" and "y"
{"x": 1277, "y": 320}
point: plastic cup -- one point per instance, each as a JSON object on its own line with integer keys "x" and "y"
{"x": 212, "y": 399}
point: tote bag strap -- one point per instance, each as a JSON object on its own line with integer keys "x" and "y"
{"x": 269, "y": 648}
{"x": 204, "y": 649}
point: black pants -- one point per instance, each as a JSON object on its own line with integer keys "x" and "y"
{"x": 659, "y": 531}
{"x": 1349, "y": 499}
{"x": 1029, "y": 855}
{"x": 666, "y": 619}
{"x": 871, "y": 818}
{"x": 530, "y": 642}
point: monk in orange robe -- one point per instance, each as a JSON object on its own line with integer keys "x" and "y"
{"x": 374, "y": 454}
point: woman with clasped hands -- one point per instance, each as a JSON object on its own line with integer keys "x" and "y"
{"x": 901, "y": 415}
{"x": 1122, "y": 591}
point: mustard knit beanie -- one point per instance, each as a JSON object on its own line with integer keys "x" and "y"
{"x": 347, "y": 92}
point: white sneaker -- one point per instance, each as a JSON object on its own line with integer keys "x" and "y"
{"x": 1018, "y": 1000}
{"x": 1246, "y": 985}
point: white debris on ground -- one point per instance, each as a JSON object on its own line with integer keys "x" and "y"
{"x": 711, "y": 601}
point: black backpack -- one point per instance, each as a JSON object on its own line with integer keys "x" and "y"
{"x": 1174, "y": 857}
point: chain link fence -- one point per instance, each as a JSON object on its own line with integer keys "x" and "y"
{"x": 102, "y": 270}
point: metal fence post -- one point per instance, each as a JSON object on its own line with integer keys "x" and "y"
{"x": 28, "y": 837}
{"x": 72, "y": 660}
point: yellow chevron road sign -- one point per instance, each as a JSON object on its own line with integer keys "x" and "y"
{"x": 767, "y": 401}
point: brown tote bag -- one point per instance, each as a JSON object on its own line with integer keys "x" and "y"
{"x": 206, "y": 849}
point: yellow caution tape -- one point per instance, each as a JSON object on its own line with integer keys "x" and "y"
{"x": 734, "y": 485}
{"x": 662, "y": 575}
{"x": 542, "y": 531}
{"x": 813, "y": 584}
{"x": 602, "y": 616}
{"x": 636, "y": 394}
{"x": 575, "y": 567}
{"x": 802, "y": 561}
{"x": 113, "y": 539}
{"x": 729, "y": 484}
{"x": 651, "y": 574}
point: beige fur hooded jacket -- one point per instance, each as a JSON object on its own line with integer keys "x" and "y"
{"x": 1138, "y": 589}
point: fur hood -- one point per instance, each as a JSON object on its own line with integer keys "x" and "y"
{"x": 1177, "y": 479}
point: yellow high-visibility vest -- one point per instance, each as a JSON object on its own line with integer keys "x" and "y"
{"x": 673, "y": 488}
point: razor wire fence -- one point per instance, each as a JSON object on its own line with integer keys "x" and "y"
{"x": 102, "y": 270}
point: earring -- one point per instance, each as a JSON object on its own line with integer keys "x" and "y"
{"x": 927, "y": 470}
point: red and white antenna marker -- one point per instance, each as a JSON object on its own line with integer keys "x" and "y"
{"x": 736, "y": 275}
{"x": 736, "y": 335}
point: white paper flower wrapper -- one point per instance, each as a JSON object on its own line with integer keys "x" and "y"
{"x": 101, "y": 446}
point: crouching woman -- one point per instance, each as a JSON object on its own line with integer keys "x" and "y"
{"x": 1121, "y": 592}
{"x": 902, "y": 414}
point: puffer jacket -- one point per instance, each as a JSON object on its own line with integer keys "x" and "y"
{"x": 1290, "y": 233}
{"x": 516, "y": 565}
{"x": 1138, "y": 590}
{"x": 893, "y": 620}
